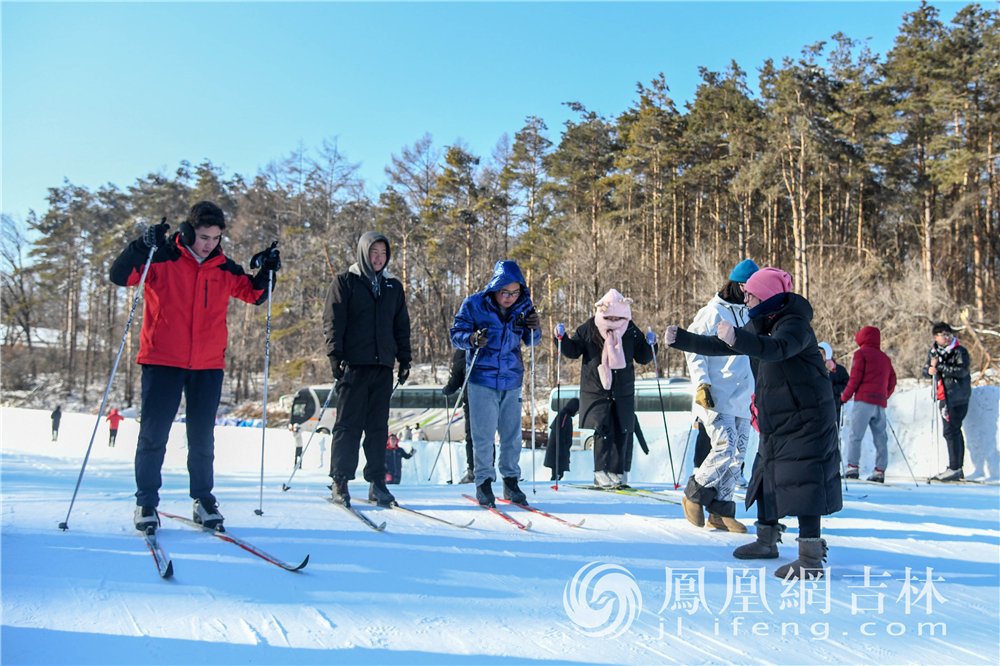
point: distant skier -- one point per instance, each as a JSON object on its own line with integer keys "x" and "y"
{"x": 114, "y": 418}
{"x": 561, "y": 439}
{"x": 456, "y": 378}
{"x": 838, "y": 377}
{"x": 871, "y": 384}
{"x": 608, "y": 344}
{"x": 725, "y": 387}
{"x": 797, "y": 469}
{"x": 367, "y": 328}
{"x": 497, "y": 320}
{"x": 182, "y": 347}
{"x": 56, "y": 416}
{"x": 394, "y": 457}
{"x": 406, "y": 434}
{"x": 948, "y": 365}
{"x": 418, "y": 434}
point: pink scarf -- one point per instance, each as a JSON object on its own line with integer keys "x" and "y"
{"x": 612, "y": 304}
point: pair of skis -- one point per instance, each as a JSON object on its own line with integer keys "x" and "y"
{"x": 166, "y": 567}
{"x": 394, "y": 507}
{"x": 628, "y": 490}
{"x": 378, "y": 527}
{"x": 516, "y": 523}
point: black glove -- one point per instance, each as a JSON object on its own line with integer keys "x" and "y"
{"x": 403, "y": 373}
{"x": 533, "y": 321}
{"x": 338, "y": 368}
{"x": 479, "y": 338}
{"x": 155, "y": 235}
{"x": 268, "y": 260}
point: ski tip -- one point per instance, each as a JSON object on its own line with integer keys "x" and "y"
{"x": 527, "y": 526}
{"x": 468, "y": 524}
{"x": 169, "y": 571}
{"x": 380, "y": 527}
{"x": 579, "y": 524}
{"x": 303, "y": 565}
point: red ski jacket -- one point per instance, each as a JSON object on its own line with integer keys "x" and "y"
{"x": 872, "y": 378}
{"x": 184, "y": 320}
{"x": 114, "y": 418}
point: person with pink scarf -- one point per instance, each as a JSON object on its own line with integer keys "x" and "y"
{"x": 608, "y": 344}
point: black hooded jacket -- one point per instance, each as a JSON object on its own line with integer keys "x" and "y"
{"x": 797, "y": 469}
{"x": 361, "y": 327}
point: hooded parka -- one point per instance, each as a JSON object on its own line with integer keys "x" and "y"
{"x": 797, "y": 469}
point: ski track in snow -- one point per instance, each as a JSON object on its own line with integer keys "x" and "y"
{"x": 423, "y": 592}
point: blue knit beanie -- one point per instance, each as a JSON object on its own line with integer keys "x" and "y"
{"x": 743, "y": 271}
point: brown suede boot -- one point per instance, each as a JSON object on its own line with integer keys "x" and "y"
{"x": 809, "y": 566}
{"x": 766, "y": 545}
{"x": 726, "y": 523}
{"x": 693, "y": 512}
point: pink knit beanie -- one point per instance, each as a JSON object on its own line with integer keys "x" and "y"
{"x": 768, "y": 282}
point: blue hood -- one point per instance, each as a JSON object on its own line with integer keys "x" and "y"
{"x": 504, "y": 273}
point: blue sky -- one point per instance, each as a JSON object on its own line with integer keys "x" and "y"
{"x": 108, "y": 92}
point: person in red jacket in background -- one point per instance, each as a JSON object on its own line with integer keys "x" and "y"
{"x": 182, "y": 347}
{"x": 114, "y": 418}
{"x": 872, "y": 382}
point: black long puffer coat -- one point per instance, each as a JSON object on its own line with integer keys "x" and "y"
{"x": 797, "y": 469}
{"x": 596, "y": 403}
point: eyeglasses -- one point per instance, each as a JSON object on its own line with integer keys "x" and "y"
{"x": 510, "y": 294}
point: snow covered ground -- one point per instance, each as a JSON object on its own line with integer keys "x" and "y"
{"x": 660, "y": 591}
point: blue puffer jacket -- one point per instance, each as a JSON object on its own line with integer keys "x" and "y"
{"x": 499, "y": 365}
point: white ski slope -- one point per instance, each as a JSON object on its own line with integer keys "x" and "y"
{"x": 422, "y": 592}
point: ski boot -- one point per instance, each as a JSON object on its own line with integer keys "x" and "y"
{"x": 206, "y": 514}
{"x": 512, "y": 493}
{"x": 378, "y": 493}
{"x": 484, "y": 494}
{"x": 146, "y": 518}
{"x": 340, "y": 493}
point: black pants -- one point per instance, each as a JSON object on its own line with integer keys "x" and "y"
{"x": 952, "y": 431}
{"x": 362, "y": 408}
{"x": 809, "y": 526}
{"x": 161, "y": 395}
{"x": 112, "y": 437}
{"x": 609, "y": 445}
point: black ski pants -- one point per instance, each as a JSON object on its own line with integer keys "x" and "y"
{"x": 952, "y": 432}
{"x": 609, "y": 445}
{"x": 161, "y": 396}
{"x": 362, "y": 408}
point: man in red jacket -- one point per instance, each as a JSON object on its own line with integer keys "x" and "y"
{"x": 872, "y": 382}
{"x": 182, "y": 347}
{"x": 114, "y": 418}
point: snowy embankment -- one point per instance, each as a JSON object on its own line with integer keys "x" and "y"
{"x": 424, "y": 592}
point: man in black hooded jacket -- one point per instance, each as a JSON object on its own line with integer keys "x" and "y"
{"x": 367, "y": 329}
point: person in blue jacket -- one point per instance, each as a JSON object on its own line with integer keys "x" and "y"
{"x": 496, "y": 321}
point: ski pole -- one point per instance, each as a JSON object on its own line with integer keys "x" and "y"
{"x": 447, "y": 432}
{"x": 663, "y": 413}
{"x": 687, "y": 443}
{"x": 532, "y": 428}
{"x": 287, "y": 486}
{"x": 559, "y": 405}
{"x": 138, "y": 292}
{"x": 267, "y": 358}
{"x": 893, "y": 431}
